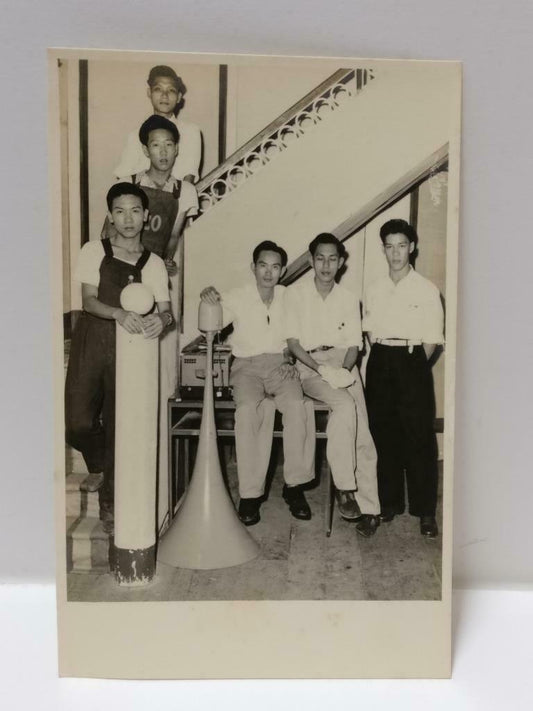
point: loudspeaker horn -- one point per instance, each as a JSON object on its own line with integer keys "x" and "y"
{"x": 206, "y": 533}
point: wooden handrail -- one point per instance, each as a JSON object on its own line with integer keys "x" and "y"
{"x": 340, "y": 76}
{"x": 395, "y": 192}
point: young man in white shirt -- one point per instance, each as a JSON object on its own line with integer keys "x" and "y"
{"x": 165, "y": 91}
{"x": 324, "y": 334}
{"x": 404, "y": 319}
{"x": 260, "y": 370}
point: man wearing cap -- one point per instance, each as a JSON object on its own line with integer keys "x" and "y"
{"x": 404, "y": 320}
{"x": 165, "y": 91}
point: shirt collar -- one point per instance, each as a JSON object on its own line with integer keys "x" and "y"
{"x": 147, "y": 182}
{"x": 318, "y": 294}
{"x": 407, "y": 277}
{"x": 254, "y": 293}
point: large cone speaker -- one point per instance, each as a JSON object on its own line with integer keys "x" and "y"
{"x": 206, "y": 532}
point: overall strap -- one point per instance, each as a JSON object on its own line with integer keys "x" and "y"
{"x": 108, "y": 249}
{"x": 145, "y": 256}
{"x": 176, "y": 190}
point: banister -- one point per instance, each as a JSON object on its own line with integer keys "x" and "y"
{"x": 275, "y": 137}
{"x": 358, "y": 220}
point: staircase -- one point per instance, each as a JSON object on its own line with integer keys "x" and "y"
{"x": 87, "y": 542}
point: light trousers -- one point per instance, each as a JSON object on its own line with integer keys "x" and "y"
{"x": 350, "y": 448}
{"x": 259, "y": 388}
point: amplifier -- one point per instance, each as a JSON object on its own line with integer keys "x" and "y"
{"x": 192, "y": 370}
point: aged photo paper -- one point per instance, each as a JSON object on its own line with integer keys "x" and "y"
{"x": 254, "y": 447}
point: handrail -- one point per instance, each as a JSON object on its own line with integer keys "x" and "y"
{"x": 275, "y": 137}
{"x": 356, "y": 222}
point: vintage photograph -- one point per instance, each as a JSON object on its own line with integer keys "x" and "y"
{"x": 258, "y": 302}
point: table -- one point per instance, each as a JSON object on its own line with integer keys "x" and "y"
{"x": 184, "y": 417}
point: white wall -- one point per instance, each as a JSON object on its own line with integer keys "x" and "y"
{"x": 257, "y": 95}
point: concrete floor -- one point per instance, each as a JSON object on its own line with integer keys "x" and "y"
{"x": 298, "y": 562}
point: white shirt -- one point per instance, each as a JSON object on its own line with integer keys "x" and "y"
{"x": 410, "y": 309}
{"x": 153, "y": 274}
{"x": 314, "y": 321}
{"x": 257, "y": 328}
{"x": 188, "y": 194}
{"x": 133, "y": 159}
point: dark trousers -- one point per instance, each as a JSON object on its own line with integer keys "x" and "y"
{"x": 90, "y": 398}
{"x": 401, "y": 410}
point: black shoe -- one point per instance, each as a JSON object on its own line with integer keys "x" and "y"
{"x": 348, "y": 507}
{"x": 428, "y": 527}
{"x": 368, "y": 525}
{"x": 249, "y": 511}
{"x": 295, "y": 498}
{"x": 387, "y": 515}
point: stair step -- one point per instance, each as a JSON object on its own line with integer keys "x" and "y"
{"x": 87, "y": 545}
{"x": 74, "y": 462}
{"x": 80, "y": 502}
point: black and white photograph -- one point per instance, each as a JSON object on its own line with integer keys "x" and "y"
{"x": 256, "y": 272}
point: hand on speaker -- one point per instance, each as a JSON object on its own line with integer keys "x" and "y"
{"x": 210, "y": 295}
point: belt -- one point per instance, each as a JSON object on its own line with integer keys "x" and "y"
{"x": 398, "y": 342}
{"x": 321, "y": 348}
{"x": 404, "y": 342}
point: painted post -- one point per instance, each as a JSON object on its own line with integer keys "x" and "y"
{"x": 134, "y": 559}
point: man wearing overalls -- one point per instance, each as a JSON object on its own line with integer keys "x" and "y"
{"x": 104, "y": 268}
{"x": 404, "y": 320}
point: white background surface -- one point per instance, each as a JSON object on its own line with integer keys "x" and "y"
{"x": 492, "y": 668}
{"x": 493, "y": 481}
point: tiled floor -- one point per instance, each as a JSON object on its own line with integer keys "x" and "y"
{"x": 298, "y": 562}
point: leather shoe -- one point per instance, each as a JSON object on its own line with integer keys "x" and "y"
{"x": 368, "y": 525}
{"x": 428, "y": 527}
{"x": 249, "y": 511}
{"x": 348, "y": 507}
{"x": 387, "y": 515}
{"x": 295, "y": 498}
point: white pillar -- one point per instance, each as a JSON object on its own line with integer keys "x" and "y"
{"x": 135, "y": 457}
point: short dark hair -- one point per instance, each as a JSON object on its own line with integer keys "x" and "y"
{"x": 155, "y": 122}
{"x": 327, "y": 238}
{"x": 393, "y": 227}
{"x": 119, "y": 189}
{"x": 268, "y": 246}
{"x": 163, "y": 71}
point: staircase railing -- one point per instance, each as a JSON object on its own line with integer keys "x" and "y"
{"x": 293, "y": 123}
{"x": 432, "y": 165}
